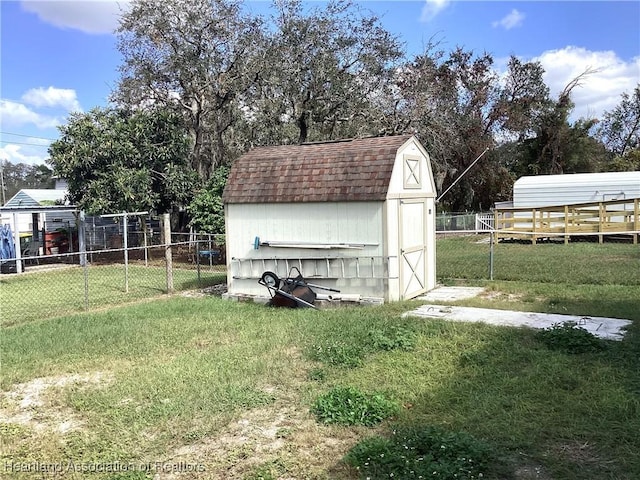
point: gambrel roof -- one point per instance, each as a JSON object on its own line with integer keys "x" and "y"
{"x": 345, "y": 170}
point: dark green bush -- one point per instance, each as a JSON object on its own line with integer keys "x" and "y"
{"x": 570, "y": 338}
{"x": 350, "y": 406}
{"x": 427, "y": 452}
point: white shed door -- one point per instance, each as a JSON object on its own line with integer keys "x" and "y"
{"x": 413, "y": 248}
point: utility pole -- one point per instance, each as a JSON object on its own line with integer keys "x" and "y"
{"x": 2, "y": 186}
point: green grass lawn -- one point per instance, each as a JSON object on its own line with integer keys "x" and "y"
{"x": 219, "y": 389}
{"x": 579, "y": 263}
{"x": 228, "y": 387}
{"x": 56, "y": 292}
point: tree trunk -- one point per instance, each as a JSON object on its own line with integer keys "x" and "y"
{"x": 303, "y": 126}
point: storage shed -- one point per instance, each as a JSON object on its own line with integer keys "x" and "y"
{"x": 355, "y": 215}
{"x": 548, "y": 190}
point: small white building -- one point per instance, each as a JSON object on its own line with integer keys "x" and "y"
{"x": 35, "y": 221}
{"x": 573, "y": 188}
{"x": 355, "y": 215}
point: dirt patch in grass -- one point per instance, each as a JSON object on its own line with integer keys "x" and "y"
{"x": 282, "y": 439}
{"x": 34, "y": 404}
{"x": 579, "y": 453}
{"x": 531, "y": 472}
{"x": 495, "y": 295}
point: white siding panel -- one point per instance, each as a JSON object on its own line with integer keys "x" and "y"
{"x": 324, "y": 223}
{"x": 431, "y": 243}
{"x": 319, "y": 223}
{"x": 393, "y": 248}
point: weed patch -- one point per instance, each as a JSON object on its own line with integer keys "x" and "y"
{"x": 570, "y": 338}
{"x": 350, "y": 406}
{"x": 317, "y": 375}
{"x": 269, "y": 471}
{"x": 363, "y": 340}
{"x": 393, "y": 338}
{"x": 427, "y": 452}
{"x": 337, "y": 353}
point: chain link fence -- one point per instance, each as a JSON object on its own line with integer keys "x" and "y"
{"x": 470, "y": 248}
{"x": 585, "y": 259}
{"x": 107, "y": 274}
{"x": 464, "y": 221}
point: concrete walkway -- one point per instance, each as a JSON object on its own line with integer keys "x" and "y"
{"x": 603, "y": 327}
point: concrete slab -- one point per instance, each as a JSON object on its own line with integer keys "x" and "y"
{"x": 603, "y": 327}
{"x": 450, "y": 294}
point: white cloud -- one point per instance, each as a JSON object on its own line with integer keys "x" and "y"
{"x": 89, "y": 16}
{"x": 18, "y": 154}
{"x": 59, "y": 101}
{"x": 16, "y": 114}
{"x": 511, "y": 20}
{"x": 53, "y": 97}
{"x": 599, "y": 91}
{"x": 431, "y": 8}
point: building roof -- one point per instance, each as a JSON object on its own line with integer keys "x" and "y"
{"x": 345, "y": 170}
{"x": 33, "y": 197}
{"x": 574, "y": 188}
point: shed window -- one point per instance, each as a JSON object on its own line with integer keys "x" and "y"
{"x": 412, "y": 172}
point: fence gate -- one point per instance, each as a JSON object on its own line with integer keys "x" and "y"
{"x": 413, "y": 247}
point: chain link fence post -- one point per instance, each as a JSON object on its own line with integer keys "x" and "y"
{"x": 492, "y": 243}
{"x": 166, "y": 227}
{"x": 198, "y": 259}
{"x": 82, "y": 248}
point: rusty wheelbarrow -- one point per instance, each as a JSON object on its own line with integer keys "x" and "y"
{"x": 293, "y": 291}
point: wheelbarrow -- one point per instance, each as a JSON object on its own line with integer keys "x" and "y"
{"x": 293, "y": 291}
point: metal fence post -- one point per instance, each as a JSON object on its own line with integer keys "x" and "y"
{"x": 198, "y": 261}
{"x": 166, "y": 225}
{"x": 146, "y": 244}
{"x": 82, "y": 247}
{"x": 491, "y": 242}
{"x": 125, "y": 235}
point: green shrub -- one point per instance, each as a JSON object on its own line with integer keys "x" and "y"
{"x": 350, "y": 406}
{"x": 570, "y": 338}
{"x": 427, "y": 452}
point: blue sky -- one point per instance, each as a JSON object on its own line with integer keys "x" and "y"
{"x": 60, "y": 56}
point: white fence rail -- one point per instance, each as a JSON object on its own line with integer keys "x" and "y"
{"x": 458, "y": 222}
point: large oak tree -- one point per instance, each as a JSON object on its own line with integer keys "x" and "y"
{"x": 195, "y": 56}
{"x": 322, "y": 72}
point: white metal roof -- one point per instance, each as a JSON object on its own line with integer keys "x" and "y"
{"x": 548, "y": 190}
